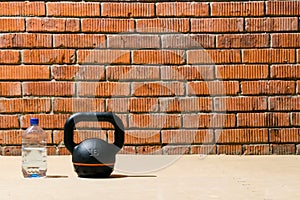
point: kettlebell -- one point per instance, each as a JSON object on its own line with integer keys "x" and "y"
{"x": 93, "y": 157}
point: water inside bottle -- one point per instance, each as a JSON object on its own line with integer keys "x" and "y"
{"x": 34, "y": 161}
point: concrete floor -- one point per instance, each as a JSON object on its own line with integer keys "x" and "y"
{"x": 161, "y": 177}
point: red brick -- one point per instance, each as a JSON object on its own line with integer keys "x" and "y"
{"x": 237, "y": 9}
{"x": 213, "y": 56}
{"x": 75, "y": 72}
{"x": 9, "y": 57}
{"x": 25, "y": 40}
{"x": 208, "y": 120}
{"x": 283, "y": 149}
{"x": 176, "y": 150}
{"x": 124, "y": 9}
{"x": 158, "y": 57}
{"x": 133, "y": 41}
{"x": 188, "y": 72}
{"x": 234, "y": 136}
{"x": 62, "y": 151}
{"x": 12, "y": 151}
{"x": 268, "y": 87}
{"x": 216, "y": 25}
{"x": 240, "y": 103}
{"x": 52, "y": 25}
{"x": 79, "y": 135}
{"x": 22, "y": 8}
{"x": 230, "y": 149}
{"x": 48, "y": 89}
{"x": 10, "y": 89}
{"x": 162, "y": 25}
{"x": 280, "y": 8}
{"x": 213, "y": 88}
{"x": 9, "y": 121}
{"x": 132, "y": 105}
{"x": 131, "y": 150}
{"x": 298, "y": 55}
{"x": 70, "y": 9}
{"x": 14, "y": 137}
{"x": 103, "y": 89}
{"x": 295, "y": 119}
{"x": 149, "y": 150}
{"x": 104, "y": 57}
{"x": 263, "y": 119}
{"x": 271, "y": 24}
{"x": 256, "y": 149}
{"x": 242, "y": 72}
{"x": 52, "y": 56}
{"x": 12, "y": 24}
{"x": 132, "y": 73}
{"x": 47, "y": 121}
{"x": 157, "y": 89}
{"x": 144, "y": 137}
{"x": 79, "y": 41}
{"x": 105, "y": 25}
{"x": 284, "y": 103}
{"x": 269, "y": 56}
{"x": 154, "y": 121}
{"x": 182, "y": 105}
{"x": 187, "y": 136}
{"x": 285, "y": 40}
{"x": 285, "y": 71}
{"x": 26, "y": 72}
{"x": 204, "y": 149}
{"x": 24, "y": 105}
{"x": 242, "y": 41}
{"x": 188, "y": 41}
{"x": 182, "y": 9}
{"x": 73, "y": 105}
{"x": 298, "y": 87}
{"x": 285, "y": 135}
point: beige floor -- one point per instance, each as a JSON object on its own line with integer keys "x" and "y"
{"x": 161, "y": 177}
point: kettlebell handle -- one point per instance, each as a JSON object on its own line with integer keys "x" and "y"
{"x": 93, "y": 116}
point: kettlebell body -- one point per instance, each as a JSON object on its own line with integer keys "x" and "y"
{"x": 94, "y": 157}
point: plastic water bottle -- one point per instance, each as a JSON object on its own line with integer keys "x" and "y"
{"x": 34, "y": 152}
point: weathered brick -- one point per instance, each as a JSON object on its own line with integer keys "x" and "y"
{"x": 131, "y": 73}
{"x": 103, "y": 57}
{"x": 182, "y": 41}
{"x": 10, "y": 57}
{"x": 150, "y": 150}
{"x": 145, "y": 137}
{"x": 48, "y": 89}
{"x": 52, "y": 56}
{"x": 12, "y": 24}
{"x": 176, "y": 149}
{"x": 154, "y": 121}
{"x": 295, "y": 119}
{"x": 22, "y": 8}
{"x": 298, "y": 55}
{"x": 182, "y": 105}
{"x": 208, "y": 120}
{"x": 162, "y": 25}
{"x": 79, "y": 135}
{"x": 242, "y": 41}
{"x": 124, "y": 9}
{"x": 182, "y": 9}
{"x": 187, "y": 136}
{"x": 157, "y": 89}
{"x": 24, "y": 105}
{"x": 27, "y": 72}
{"x": 263, "y": 119}
{"x": 73, "y": 105}
{"x": 291, "y": 71}
{"x": 240, "y": 103}
{"x": 131, "y": 150}
{"x": 132, "y": 105}
{"x": 15, "y": 40}
{"x": 52, "y": 25}
{"x": 283, "y": 149}
{"x": 212, "y": 88}
{"x": 105, "y": 25}
{"x": 188, "y": 72}
{"x": 103, "y": 89}
{"x": 79, "y": 41}
{"x": 10, "y": 89}
{"x": 284, "y": 103}
{"x": 133, "y": 41}
{"x": 237, "y": 9}
{"x": 268, "y": 87}
{"x": 230, "y": 149}
{"x": 72, "y": 9}
{"x": 213, "y": 56}
{"x": 216, "y": 25}
{"x": 271, "y": 24}
{"x": 46, "y": 121}
{"x": 14, "y": 137}
{"x": 12, "y": 151}
{"x": 285, "y": 40}
{"x": 9, "y": 121}
{"x": 256, "y": 149}
{"x": 298, "y": 87}
{"x": 285, "y": 135}
{"x": 236, "y": 136}
{"x": 77, "y": 73}
{"x": 158, "y": 57}
{"x": 269, "y": 56}
{"x": 242, "y": 72}
{"x": 279, "y": 8}
{"x": 204, "y": 149}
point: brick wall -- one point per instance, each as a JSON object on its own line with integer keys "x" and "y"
{"x": 204, "y": 77}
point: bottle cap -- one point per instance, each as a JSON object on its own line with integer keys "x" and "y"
{"x": 34, "y": 121}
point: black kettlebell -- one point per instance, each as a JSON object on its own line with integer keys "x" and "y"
{"x": 94, "y": 157}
